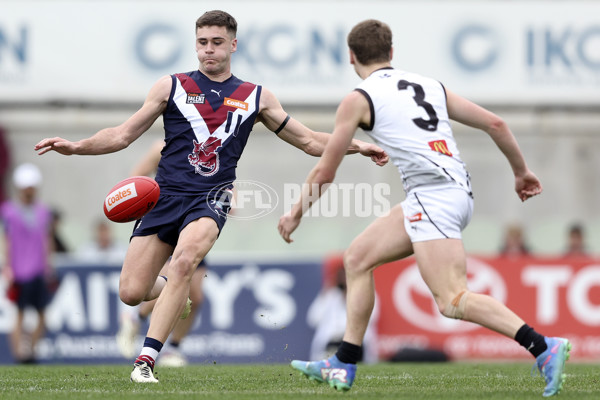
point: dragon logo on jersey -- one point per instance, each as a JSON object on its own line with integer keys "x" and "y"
{"x": 205, "y": 156}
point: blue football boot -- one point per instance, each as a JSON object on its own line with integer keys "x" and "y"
{"x": 337, "y": 374}
{"x": 551, "y": 364}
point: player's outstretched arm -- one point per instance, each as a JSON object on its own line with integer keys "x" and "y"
{"x": 113, "y": 139}
{"x": 462, "y": 110}
{"x": 272, "y": 115}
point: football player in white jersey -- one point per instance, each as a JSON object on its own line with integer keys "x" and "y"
{"x": 409, "y": 115}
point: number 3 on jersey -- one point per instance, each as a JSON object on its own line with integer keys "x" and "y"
{"x": 419, "y": 98}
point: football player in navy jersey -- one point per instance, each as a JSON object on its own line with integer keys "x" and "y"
{"x": 409, "y": 115}
{"x": 208, "y": 115}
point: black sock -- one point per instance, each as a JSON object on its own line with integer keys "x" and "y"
{"x": 174, "y": 344}
{"x": 349, "y": 353}
{"x": 534, "y": 342}
{"x": 153, "y": 344}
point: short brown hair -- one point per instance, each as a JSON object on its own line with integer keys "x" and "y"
{"x": 218, "y": 18}
{"x": 371, "y": 41}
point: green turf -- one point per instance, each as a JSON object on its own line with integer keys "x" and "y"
{"x": 445, "y": 381}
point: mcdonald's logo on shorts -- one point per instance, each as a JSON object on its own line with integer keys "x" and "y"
{"x": 440, "y": 146}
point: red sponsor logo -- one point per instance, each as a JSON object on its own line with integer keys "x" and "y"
{"x": 440, "y": 146}
{"x": 415, "y": 218}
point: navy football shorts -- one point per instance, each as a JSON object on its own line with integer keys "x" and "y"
{"x": 172, "y": 213}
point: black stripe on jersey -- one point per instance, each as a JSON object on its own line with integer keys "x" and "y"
{"x": 371, "y": 109}
{"x": 173, "y": 87}
{"x": 430, "y": 220}
{"x": 445, "y": 94}
{"x": 450, "y": 176}
{"x": 437, "y": 165}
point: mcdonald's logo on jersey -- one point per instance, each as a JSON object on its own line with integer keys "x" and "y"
{"x": 440, "y": 146}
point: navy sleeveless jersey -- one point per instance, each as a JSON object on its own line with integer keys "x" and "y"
{"x": 207, "y": 125}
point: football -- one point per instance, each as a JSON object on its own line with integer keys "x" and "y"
{"x": 131, "y": 199}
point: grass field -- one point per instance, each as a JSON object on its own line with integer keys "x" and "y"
{"x": 446, "y": 381}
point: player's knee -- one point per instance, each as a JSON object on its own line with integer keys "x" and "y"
{"x": 354, "y": 261}
{"x": 456, "y": 308}
{"x": 129, "y": 296}
{"x": 182, "y": 268}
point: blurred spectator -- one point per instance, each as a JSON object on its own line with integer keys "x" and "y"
{"x": 327, "y": 315}
{"x": 104, "y": 247}
{"x": 514, "y": 242}
{"x": 59, "y": 245}
{"x": 576, "y": 241}
{"x": 27, "y": 224}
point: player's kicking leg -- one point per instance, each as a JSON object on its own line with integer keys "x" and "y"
{"x": 385, "y": 240}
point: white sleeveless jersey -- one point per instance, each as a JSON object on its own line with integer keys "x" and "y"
{"x": 409, "y": 120}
